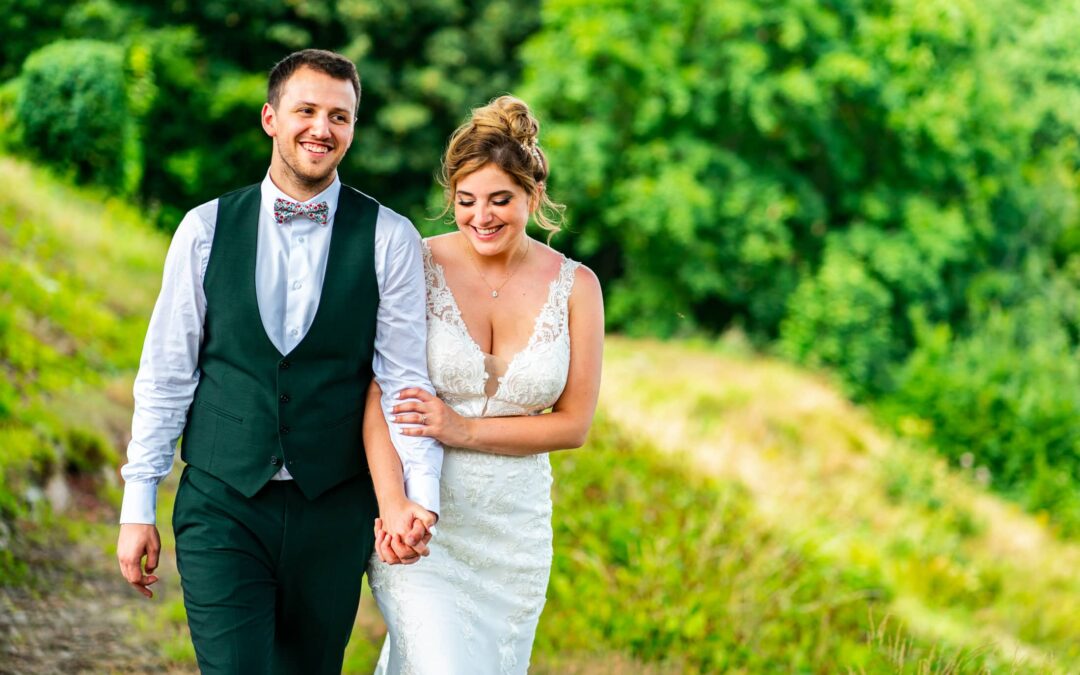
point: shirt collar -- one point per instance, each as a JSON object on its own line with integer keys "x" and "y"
{"x": 270, "y": 192}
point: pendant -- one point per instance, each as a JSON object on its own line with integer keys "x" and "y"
{"x": 494, "y": 294}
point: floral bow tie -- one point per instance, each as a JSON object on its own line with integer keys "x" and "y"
{"x": 284, "y": 210}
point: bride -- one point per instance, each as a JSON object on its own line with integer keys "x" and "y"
{"x": 514, "y": 329}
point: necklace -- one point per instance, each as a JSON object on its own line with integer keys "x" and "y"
{"x": 476, "y": 266}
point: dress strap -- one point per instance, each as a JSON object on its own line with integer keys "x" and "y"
{"x": 564, "y": 285}
{"x": 440, "y": 301}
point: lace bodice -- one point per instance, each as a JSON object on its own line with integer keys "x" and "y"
{"x": 476, "y": 384}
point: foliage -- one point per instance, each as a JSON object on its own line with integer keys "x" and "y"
{"x": 841, "y": 318}
{"x": 932, "y": 550}
{"x": 26, "y": 25}
{"x": 422, "y": 66}
{"x": 78, "y": 274}
{"x": 654, "y": 561}
{"x": 819, "y": 173}
{"x": 73, "y": 110}
{"x": 9, "y": 124}
{"x": 1003, "y": 402}
{"x": 719, "y": 158}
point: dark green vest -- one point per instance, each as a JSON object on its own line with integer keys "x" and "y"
{"x": 255, "y": 409}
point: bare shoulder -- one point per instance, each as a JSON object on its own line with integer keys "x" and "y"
{"x": 587, "y": 292}
{"x": 586, "y": 284}
{"x": 440, "y": 244}
{"x": 548, "y": 260}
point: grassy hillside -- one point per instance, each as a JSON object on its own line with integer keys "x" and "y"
{"x": 729, "y": 514}
{"x": 78, "y": 274}
{"x": 957, "y": 567}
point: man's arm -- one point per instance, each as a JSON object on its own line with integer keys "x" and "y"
{"x": 401, "y": 347}
{"x": 164, "y": 387}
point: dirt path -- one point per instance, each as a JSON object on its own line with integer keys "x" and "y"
{"x": 73, "y": 616}
{"x": 73, "y": 612}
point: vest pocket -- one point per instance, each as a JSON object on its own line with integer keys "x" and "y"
{"x": 220, "y": 412}
{"x": 353, "y": 414}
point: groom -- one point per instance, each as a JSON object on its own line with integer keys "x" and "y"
{"x": 279, "y": 303}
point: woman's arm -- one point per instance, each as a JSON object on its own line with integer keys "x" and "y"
{"x": 565, "y": 427}
{"x": 401, "y": 520}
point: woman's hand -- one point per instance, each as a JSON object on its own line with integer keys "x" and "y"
{"x": 431, "y": 417}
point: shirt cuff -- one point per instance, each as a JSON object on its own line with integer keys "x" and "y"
{"x": 424, "y": 490}
{"x": 140, "y": 503}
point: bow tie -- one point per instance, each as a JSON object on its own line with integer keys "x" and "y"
{"x": 284, "y": 210}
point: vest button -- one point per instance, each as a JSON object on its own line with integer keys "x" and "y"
{"x": 284, "y": 365}
{"x": 274, "y": 460}
{"x": 283, "y": 429}
{"x": 284, "y": 398}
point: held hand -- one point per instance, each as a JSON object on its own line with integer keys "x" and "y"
{"x": 431, "y": 417}
{"x": 393, "y": 550}
{"x": 135, "y": 542}
{"x": 402, "y": 534}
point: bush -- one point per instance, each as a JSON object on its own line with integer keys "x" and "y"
{"x": 73, "y": 111}
{"x": 1003, "y": 402}
{"x": 841, "y": 319}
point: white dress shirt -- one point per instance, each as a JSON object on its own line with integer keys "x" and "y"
{"x": 289, "y": 270}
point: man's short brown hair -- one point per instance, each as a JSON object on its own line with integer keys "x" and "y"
{"x": 333, "y": 64}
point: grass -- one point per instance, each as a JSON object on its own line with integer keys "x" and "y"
{"x": 78, "y": 274}
{"x": 956, "y": 566}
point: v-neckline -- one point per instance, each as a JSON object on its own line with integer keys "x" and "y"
{"x": 464, "y": 327}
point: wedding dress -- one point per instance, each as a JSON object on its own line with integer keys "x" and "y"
{"x": 472, "y": 606}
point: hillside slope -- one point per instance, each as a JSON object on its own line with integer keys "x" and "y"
{"x": 78, "y": 276}
{"x": 958, "y": 565}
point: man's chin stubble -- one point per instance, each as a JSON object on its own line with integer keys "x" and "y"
{"x": 309, "y": 179}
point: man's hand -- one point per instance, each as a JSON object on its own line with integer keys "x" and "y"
{"x": 138, "y": 541}
{"x": 402, "y": 534}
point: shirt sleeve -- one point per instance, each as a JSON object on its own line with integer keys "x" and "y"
{"x": 401, "y": 347}
{"x": 168, "y": 370}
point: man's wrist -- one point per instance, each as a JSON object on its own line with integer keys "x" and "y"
{"x": 140, "y": 503}
{"x": 424, "y": 490}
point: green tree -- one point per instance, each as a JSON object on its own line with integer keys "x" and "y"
{"x": 711, "y": 153}
{"x": 26, "y": 26}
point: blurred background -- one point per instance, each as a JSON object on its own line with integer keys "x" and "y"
{"x": 840, "y": 248}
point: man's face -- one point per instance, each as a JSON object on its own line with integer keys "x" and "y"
{"x": 312, "y": 127}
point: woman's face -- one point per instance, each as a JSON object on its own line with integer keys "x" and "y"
{"x": 491, "y": 210}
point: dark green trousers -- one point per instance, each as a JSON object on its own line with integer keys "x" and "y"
{"x": 271, "y": 583}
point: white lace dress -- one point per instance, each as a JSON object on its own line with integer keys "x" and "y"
{"x": 472, "y": 606}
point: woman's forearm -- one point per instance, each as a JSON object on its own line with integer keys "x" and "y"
{"x": 382, "y": 458}
{"x": 527, "y": 434}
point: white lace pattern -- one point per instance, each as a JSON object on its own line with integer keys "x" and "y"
{"x": 472, "y": 606}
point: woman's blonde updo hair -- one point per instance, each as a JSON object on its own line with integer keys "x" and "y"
{"x": 502, "y": 133}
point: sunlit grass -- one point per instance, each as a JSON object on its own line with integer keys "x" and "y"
{"x": 958, "y": 565}
{"x": 78, "y": 274}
